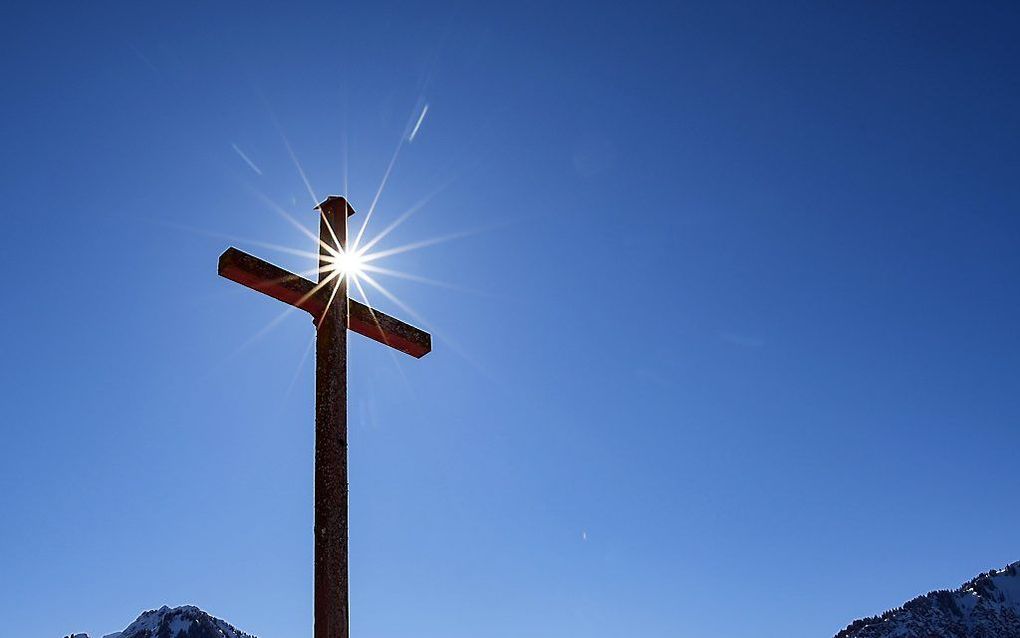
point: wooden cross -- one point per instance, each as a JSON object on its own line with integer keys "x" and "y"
{"x": 333, "y": 313}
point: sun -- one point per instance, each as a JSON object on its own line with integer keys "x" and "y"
{"x": 349, "y": 263}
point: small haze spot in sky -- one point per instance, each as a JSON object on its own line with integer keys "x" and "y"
{"x": 145, "y": 60}
{"x": 584, "y": 535}
{"x": 654, "y": 377}
{"x": 593, "y": 156}
{"x": 741, "y": 340}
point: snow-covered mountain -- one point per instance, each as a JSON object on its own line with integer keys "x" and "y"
{"x": 176, "y": 622}
{"x": 987, "y": 606}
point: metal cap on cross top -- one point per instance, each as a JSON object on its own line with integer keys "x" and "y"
{"x": 333, "y": 204}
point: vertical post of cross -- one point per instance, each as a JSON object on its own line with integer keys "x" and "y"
{"x": 331, "y": 585}
{"x": 333, "y": 314}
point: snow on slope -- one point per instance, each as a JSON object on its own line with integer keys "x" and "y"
{"x": 177, "y": 622}
{"x": 987, "y": 606}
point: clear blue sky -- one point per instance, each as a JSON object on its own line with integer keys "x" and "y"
{"x": 731, "y": 346}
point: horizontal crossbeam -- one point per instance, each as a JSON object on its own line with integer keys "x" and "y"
{"x": 270, "y": 279}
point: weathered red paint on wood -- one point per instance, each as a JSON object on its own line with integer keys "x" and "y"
{"x": 258, "y": 274}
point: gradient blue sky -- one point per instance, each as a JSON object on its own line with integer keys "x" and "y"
{"x": 732, "y": 345}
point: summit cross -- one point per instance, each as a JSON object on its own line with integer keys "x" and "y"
{"x": 333, "y": 314}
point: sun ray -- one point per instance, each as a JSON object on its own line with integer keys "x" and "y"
{"x": 241, "y": 240}
{"x": 344, "y": 145}
{"x": 368, "y": 304}
{"x": 269, "y": 327}
{"x": 333, "y": 275}
{"x": 416, "y": 245}
{"x": 303, "y": 273}
{"x": 247, "y": 160}
{"x": 279, "y": 210}
{"x": 399, "y": 274}
{"x": 394, "y": 224}
{"x": 290, "y": 308}
{"x": 357, "y": 261}
{"x": 421, "y": 118}
{"x": 389, "y": 295}
{"x": 290, "y": 277}
{"x": 276, "y": 321}
{"x": 405, "y": 216}
{"x": 346, "y": 167}
{"x": 378, "y": 192}
{"x": 300, "y": 170}
{"x": 332, "y": 233}
{"x": 277, "y": 247}
{"x": 385, "y": 178}
{"x": 371, "y": 310}
{"x": 436, "y": 333}
{"x": 297, "y": 371}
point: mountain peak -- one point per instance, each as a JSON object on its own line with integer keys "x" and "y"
{"x": 186, "y": 621}
{"x": 986, "y": 605}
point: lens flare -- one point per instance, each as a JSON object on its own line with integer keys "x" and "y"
{"x": 349, "y": 263}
